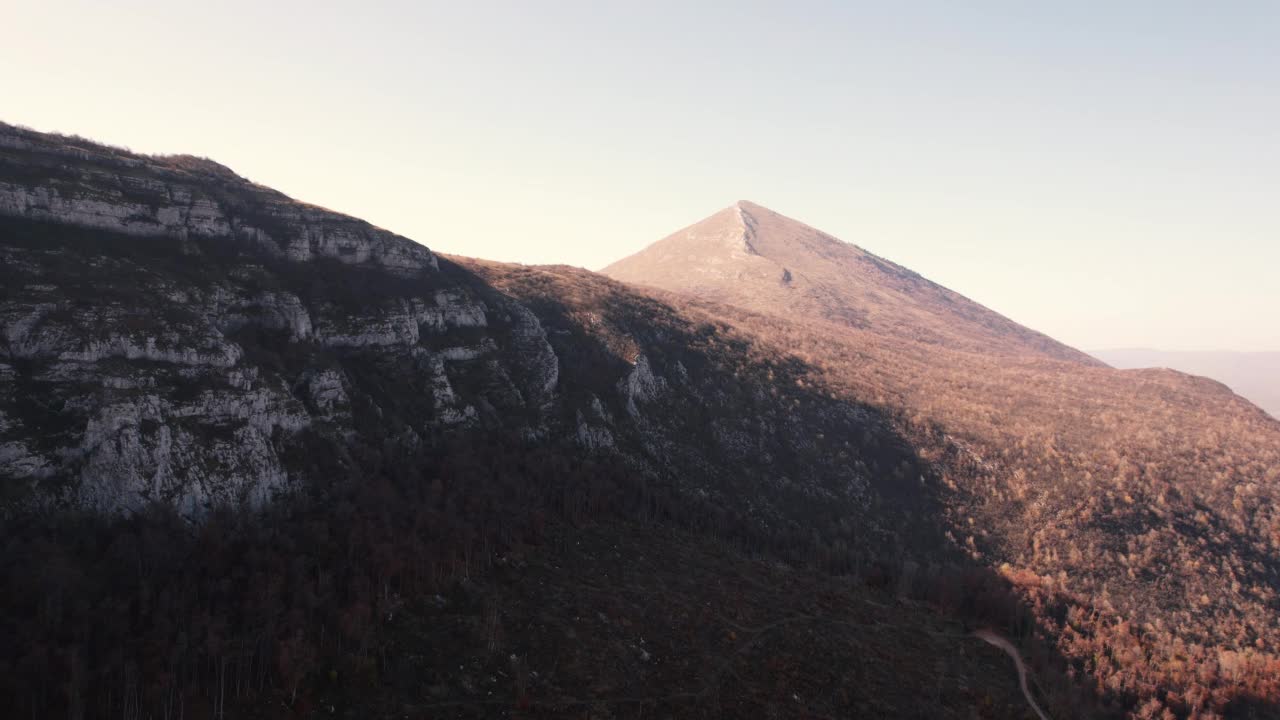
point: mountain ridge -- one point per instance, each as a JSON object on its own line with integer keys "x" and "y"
{"x": 1254, "y": 375}
{"x": 78, "y": 182}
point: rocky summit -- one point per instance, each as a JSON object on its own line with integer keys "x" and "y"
{"x": 750, "y": 256}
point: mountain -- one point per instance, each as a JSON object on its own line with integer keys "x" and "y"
{"x": 261, "y": 459}
{"x": 1255, "y": 375}
{"x": 752, "y": 257}
{"x": 1111, "y": 491}
{"x": 241, "y": 432}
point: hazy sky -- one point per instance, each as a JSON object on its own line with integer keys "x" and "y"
{"x": 1106, "y": 172}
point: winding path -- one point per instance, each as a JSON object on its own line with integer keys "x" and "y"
{"x": 995, "y": 639}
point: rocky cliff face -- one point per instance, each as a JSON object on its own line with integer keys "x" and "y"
{"x": 140, "y": 369}
{"x": 72, "y": 181}
{"x": 171, "y": 333}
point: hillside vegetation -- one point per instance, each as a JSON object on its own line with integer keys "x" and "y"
{"x": 1137, "y": 509}
{"x": 258, "y": 459}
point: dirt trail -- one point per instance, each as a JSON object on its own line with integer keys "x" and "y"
{"x": 997, "y": 640}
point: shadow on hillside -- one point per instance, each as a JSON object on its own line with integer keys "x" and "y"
{"x": 895, "y": 538}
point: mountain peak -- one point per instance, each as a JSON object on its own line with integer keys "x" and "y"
{"x": 756, "y": 258}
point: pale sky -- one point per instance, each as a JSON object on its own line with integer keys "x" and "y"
{"x": 1105, "y": 172}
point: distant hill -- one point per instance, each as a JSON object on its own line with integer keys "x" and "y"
{"x": 752, "y": 257}
{"x": 1254, "y": 375}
